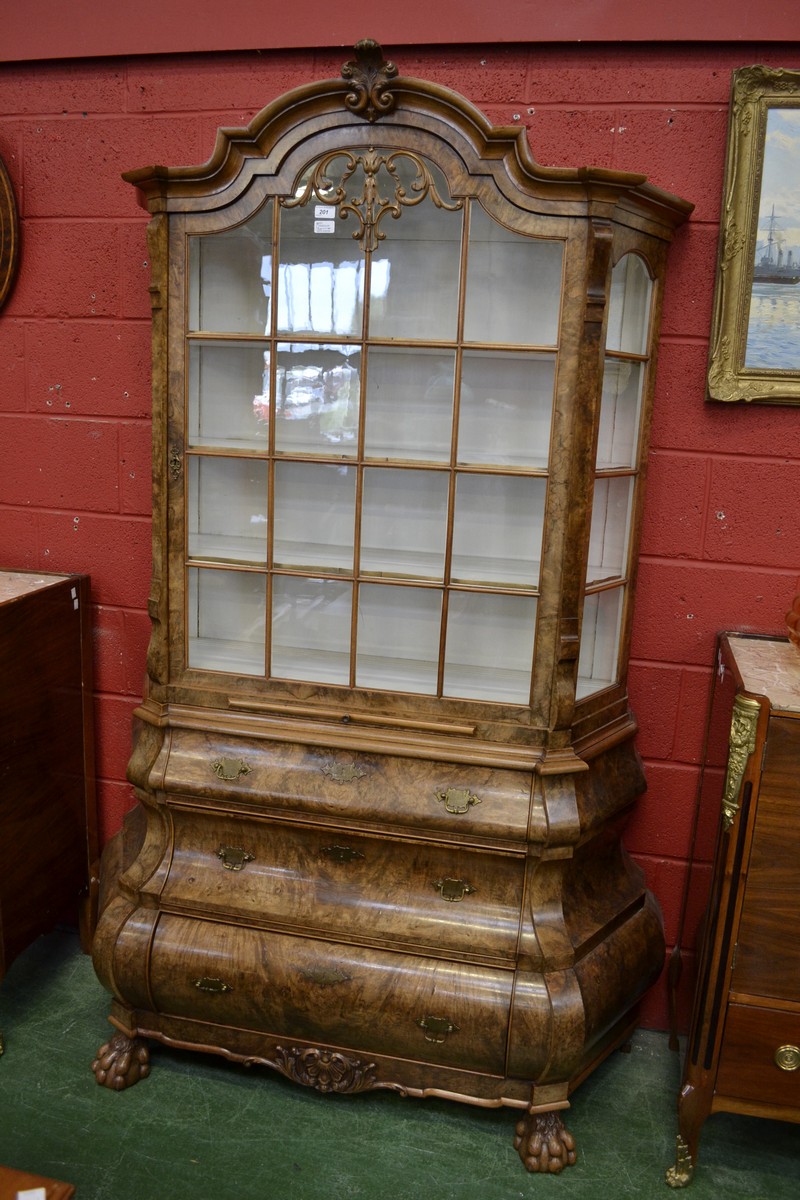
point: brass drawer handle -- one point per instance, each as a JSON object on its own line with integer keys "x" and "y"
{"x": 787, "y": 1058}
{"x": 457, "y": 800}
{"x": 437, "y": 1028}
{"x": 234, "y": 858}
{"x": 210, "y": 983}
{"x": 341, "y": 854}
{"x": 230, "y": 769}
{"x": 454, "y": 890}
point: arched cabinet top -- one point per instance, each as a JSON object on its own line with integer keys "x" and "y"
{"x": 372, "y": 105}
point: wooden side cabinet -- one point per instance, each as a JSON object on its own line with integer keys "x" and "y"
{"x": 743, "y": 1052}
{"x": 48, "y": 837}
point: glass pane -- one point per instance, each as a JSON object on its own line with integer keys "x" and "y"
{"x": 320, "y": 274}
{"x": 629, "y": 306}
{"x": 311, "y": 629}
{"x": 497, "y": 534}
{"x": 404, "y": 523}
{"x": 409, "y": 404}
{"x": 227, "y": 509}
{"x": 398, "y": 638}
{"x": 314, "y": 516}
{"x": 230, "y": 278}
{"x": 226, "y": 621}
{"x": 618, "y": 432}
{"x": 597, "y": 665}
{"x": 506, "y": 409}
{"x": 489, "y": 649}
{"x": 415, "y": 269}
{"x": 317, "y": 399}
{"x": 228, "y": 395}
{"x": 608, "y": 544}
{"x": 513, "y": 285}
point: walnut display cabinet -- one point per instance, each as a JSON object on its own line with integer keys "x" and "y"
{"x": 743, "y": 1050}
{"x": 402, "y": 383}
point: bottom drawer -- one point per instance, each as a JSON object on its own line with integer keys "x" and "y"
{"x": 760, "y": 1059}
{"x": 401, "y": 1005}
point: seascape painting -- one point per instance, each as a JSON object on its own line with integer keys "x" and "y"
{"x": 773, "y": 329}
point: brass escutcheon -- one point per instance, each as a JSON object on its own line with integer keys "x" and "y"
{"x": 230, "y": 769}
{"x": 325, "y": 976}
{"x": 343, "y": 772}
{"x": 210, "y": 983}
{"x": 454, "y": 889}
{"x": 787, "y": 1058}
{"x": 457, "y": 800}
{"x": 234, "y": 858}
{"x": 341, "y": 854}
{"x": 437, "y": 1028}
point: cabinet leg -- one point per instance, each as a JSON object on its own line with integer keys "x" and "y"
{"x": 121, "y": 1062}
{"x": 543, "y": 1144}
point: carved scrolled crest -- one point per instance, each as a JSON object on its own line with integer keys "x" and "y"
{"x": 371, "y": 76}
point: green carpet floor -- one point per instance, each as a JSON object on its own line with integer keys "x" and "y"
{"x": 202, "y": 1129}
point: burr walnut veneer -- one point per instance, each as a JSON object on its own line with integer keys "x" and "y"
{"x": 402, "y": 381}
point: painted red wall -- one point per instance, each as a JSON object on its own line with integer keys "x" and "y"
{"x": 721, "y": 537}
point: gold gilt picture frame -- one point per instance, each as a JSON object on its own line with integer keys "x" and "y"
{"x": 755, "y": 335}
{"x": 9, "y": 235}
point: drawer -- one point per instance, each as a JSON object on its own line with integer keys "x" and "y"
{"x": 474, "y": 802}
{"x": 754, "y": 1038}
{"x": 402, "y": 892}
{"x": 350, "y": 997}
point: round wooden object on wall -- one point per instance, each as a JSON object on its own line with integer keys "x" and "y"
{"x": 9, "y": 235}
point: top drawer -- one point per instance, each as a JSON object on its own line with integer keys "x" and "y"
{"x": 474, "y": 802}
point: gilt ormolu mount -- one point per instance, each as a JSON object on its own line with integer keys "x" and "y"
{"x": 402, "y": 381}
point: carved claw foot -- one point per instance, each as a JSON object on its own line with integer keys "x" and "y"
{"x": 543, "y": 1144}
{"x": 121, "y": 1062}
{"x": 681, "y": 1174}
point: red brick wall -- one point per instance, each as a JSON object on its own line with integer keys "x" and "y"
{"x": 721, "y": 544}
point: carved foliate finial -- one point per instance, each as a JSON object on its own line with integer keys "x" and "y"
{"x": 370, "y": 74}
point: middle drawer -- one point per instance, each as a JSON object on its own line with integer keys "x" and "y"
{"x": 396, "y": 892}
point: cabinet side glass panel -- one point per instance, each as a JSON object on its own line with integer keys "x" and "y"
{"x": 226, "y": 620}
{"x": 608, "y": 542}
{"x": 599, "y": 654}
{"x": 629, "y": 306}
{"x": 230, "y": 278}
{"x": 227, "y": 509}
{"x": 513, "y": 285}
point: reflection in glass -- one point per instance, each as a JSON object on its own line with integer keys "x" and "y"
{"x": 497, "y": 533}
{"x": 320, "y": 275}
{"x": 513, "y": 285}
{"x": 409, "y": 406}
{"x": 314, "y": 516}
{"x": 227, "y": 402}
{"x": 230, "y": 278}
{"x": 225, "y": 620}
{"x": 600, "y": 633}
{"x": 608, "y": 543}
{"x": 317, "y": 399}
{"x": 494, "y": 667}
{"x": 506, "y": 408}
{"x": 404, "y": 523}
{"x": 398, "y": 638}
{"x": 629, "y": 306}
{"x": 620, "y": 405}
{"x": 311, "y": 629}
{"x": 227, "y": 509}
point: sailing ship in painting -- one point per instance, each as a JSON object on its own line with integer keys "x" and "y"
{"x": 771, "y": 266}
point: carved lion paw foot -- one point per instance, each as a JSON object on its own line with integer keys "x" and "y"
{"x": 121, "y": 1062}
{"x": 543, "y": 1144}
